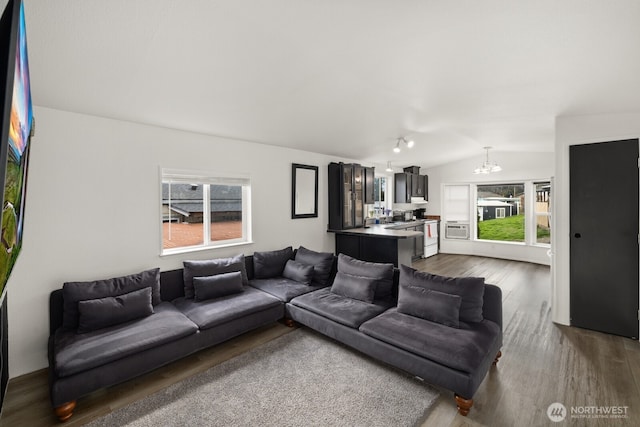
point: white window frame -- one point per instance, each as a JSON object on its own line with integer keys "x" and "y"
{"x": 173, "y": 176}
{"x": 536, "y": 214}
{"x": 501, "y": 213}
{"x": 452, "y": 208}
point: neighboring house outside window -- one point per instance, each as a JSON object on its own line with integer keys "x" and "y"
{"x": 201, "y": 211}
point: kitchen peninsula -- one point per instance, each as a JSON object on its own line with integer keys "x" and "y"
{"x": 393, "y": 243}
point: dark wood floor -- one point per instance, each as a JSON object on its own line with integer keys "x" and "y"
{"x": 542, "y": 363}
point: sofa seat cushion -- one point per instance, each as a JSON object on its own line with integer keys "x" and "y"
{"x": 347, "y": 311}
{"x": 283, "y": 289}
{"x": 79, "y": 352}
{"x": 213, "y": 312}
{"x": 461, "y": 348}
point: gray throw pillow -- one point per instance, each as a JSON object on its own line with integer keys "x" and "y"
{"x": 80, "y": 291}
{"x": 220, "y": 285}
{"x": 383, "y": 272}
{"x": 271, "y": 264}
{"x": 298, "y": 272}
{"x": 470, "y": 289}
{"x": 104, "y": 312}
{"x": 430, "y": 305}
{"x": 356, "y": 287}
{"x": 322, "y": 263}
{"x": 211, "y": 267}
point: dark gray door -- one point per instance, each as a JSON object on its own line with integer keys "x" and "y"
{"x": 604, "y": 236}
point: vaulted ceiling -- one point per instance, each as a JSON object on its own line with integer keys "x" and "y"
{"x": 342, "y": 77}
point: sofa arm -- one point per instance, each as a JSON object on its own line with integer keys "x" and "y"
{"x": 56, "y": 306}
{"x": 492, "y": 306}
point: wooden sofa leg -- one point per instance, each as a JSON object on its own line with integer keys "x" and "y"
{"x": 464, "y": 405}
{"x": 289, "y": 322}
{"x": 498, "y": 356}
{"x": 65, "y": 411}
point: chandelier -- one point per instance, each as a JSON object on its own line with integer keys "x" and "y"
{"x": 487, "y": 166}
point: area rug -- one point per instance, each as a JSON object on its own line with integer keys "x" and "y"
{"x": 299, "y": 379}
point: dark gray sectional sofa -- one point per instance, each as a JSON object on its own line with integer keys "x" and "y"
{"x": 109, "y": 331}
{"x": 421, "y": 334}
{"x": 90, "y": 347}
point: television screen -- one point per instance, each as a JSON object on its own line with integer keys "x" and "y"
{"x": 17, "y": 125}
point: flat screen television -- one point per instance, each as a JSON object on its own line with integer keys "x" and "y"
{"x": 15, "y": 135}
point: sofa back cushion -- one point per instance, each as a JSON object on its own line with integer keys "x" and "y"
{"x": 73, "y": 292}
{"x": 220, "y": 285}
{"x": 108, "y": 311}
{"x": 470, "y": 289}
{"x": 430, "y": 305}
{"x": 322, "y": 263}
{"x": 298, "y": 272}
{"x": 381, "y": 272}
{"x": 211, "y": 267}
{"x": 355, "y": 287}
{"x": 267, "y": 265}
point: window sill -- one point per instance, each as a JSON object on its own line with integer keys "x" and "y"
{"x": 178, "y": 251}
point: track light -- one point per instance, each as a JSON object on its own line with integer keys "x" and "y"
{"x": 389, "y": 168}
{"x": 408, "y": 143}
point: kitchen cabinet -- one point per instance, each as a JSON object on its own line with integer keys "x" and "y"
{"x": 408, "y": 185}
{"x": 369, "y": 193}
{"x": 417, "y": 186}
{"x": 346, "y": 195}
{"x": 416, "y": 246}
{"x": 403, "y": 187}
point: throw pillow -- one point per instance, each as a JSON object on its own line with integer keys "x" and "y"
{"x": 103, "y": 312}
{"x": 356, "y": 287}
{"x": 220, "y": 285}
{"x": 430, "y": 305}
{"x": 322, "y": 263}
{"x": 80, "y": 291}
{"x": 470, "y": 289}
{"x": 212, "y": 267}
{"x": 383, "y": 272}
{"x": 298, "y": 272}
{"x": 271, "y": 264}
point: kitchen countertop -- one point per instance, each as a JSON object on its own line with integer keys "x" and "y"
{"x": 394, "y": 230}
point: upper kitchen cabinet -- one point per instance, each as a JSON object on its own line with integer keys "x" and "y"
{"x": 411, "y": 184}
{"x": 403, "y": 187}
{"x": 369, "y": 179}
{"x": 347, "y": 184}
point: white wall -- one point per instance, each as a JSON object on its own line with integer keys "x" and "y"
{"x": 516, "y": 167}
{"x": 92, "y": 209}
{"x": 573, "y": 131}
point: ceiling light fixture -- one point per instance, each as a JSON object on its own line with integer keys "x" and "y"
{"x": 408, "y": 143}
{"x": 487, "y": 166}
{"x": 389, "y": 168}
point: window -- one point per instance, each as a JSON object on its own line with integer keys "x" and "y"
{"x": 500, "y": 212}
{"x": 201, "y": 211}
{"x": 456, "y": 203}
{"x": 543, "y": 212}
{"x": 519, "y": 212}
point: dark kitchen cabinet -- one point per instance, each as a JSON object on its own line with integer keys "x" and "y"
{"x": 403, "y": 186}
{"x": 425, "y": 179}
{"x": 346, "y": 195}
{"x": 417, "y": 186}
{"x": 369, "y": 193}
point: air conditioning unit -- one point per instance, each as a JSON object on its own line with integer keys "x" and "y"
{"x": 456, "y": 230}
